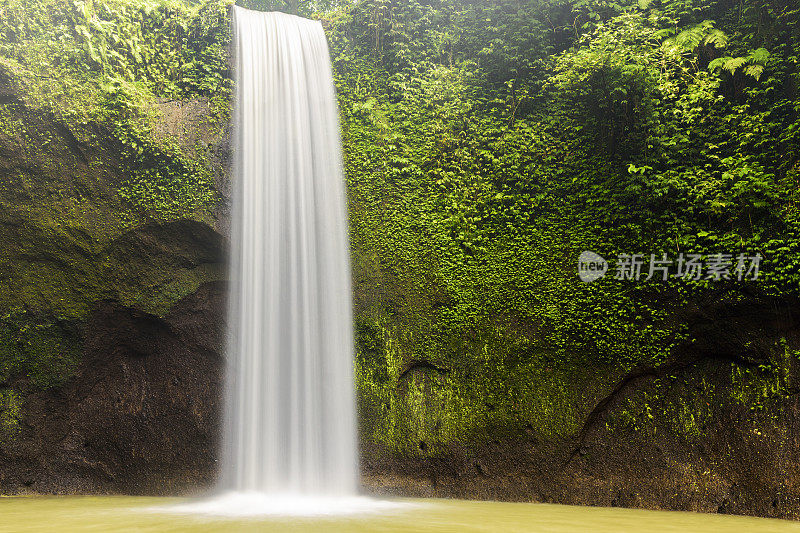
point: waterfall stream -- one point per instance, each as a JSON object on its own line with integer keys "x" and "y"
{"x": 290, "y": 409}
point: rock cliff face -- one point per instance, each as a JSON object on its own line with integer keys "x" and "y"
{"x": 682, "y": 436}
{"x": 139, "y": 415}
{"x": 111, "y": 355}
{"x": 112, "y": 312}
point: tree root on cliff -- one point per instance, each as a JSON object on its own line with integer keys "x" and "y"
{"x": 668, "y": 368}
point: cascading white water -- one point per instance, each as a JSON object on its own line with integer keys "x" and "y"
{"x": 290, "y": 410}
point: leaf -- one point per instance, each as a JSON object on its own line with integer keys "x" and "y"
{"x": 666, "y": 32}
{"x": 754, "y": 71}
{"x": 718, "y": 63}
{"x": 690, "y": 38}
{"x": 717, "y": 38}
{"x": 759, "y": 56}
{"x": 733, "y": 63}
{"x": 92, "y": 52}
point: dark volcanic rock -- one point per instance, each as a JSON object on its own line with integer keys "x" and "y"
{"x": 719, "y": 454}
{"x": 141, "y": 415}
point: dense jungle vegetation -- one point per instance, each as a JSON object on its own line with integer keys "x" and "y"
{"x": 486, "y": 144}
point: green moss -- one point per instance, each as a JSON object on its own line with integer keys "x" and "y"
{"x": 10, "y": 124}
{"x": 10, "y": 414}
{"x": 93, "y": 176}
{"x": 42, "y": 351}
{"x": 689, "y": 404}
{"x": 760, "y": 389}
{"x": 477, "y": 175}
{"x": 415, "y": 406}
{"x": 684, "y": 406}
{"x": 109, "y": 64}
{"x": 693, "y": 415}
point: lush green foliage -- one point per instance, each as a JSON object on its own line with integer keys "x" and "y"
{"x": 90, "y": 81}
{"x": 488, "y": 143}
{"x": 114, "y": 62}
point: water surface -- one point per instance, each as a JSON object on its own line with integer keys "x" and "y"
{"x": 120, "y": 513}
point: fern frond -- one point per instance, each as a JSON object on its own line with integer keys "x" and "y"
{"x": 759, "y": 56}
{"x": 734, "y": 63}
{"x": 690, "y": 38}
{"x": 717, "y": 38}
{"x": 754, "y": 71}
{"x": 665, "y": 32}
{"x": 718, "y": 63}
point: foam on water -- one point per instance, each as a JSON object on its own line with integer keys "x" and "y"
{"x": 258, "y": 504}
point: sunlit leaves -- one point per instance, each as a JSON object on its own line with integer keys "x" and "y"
{"x": 752, "y": 65}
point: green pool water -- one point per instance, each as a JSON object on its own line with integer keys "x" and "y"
{"x": 120, "y": 513}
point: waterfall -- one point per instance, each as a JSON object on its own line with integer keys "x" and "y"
{"x": 290, "y": 408}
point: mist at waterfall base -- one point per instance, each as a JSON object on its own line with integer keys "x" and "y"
{"x": 289, "y": 444}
